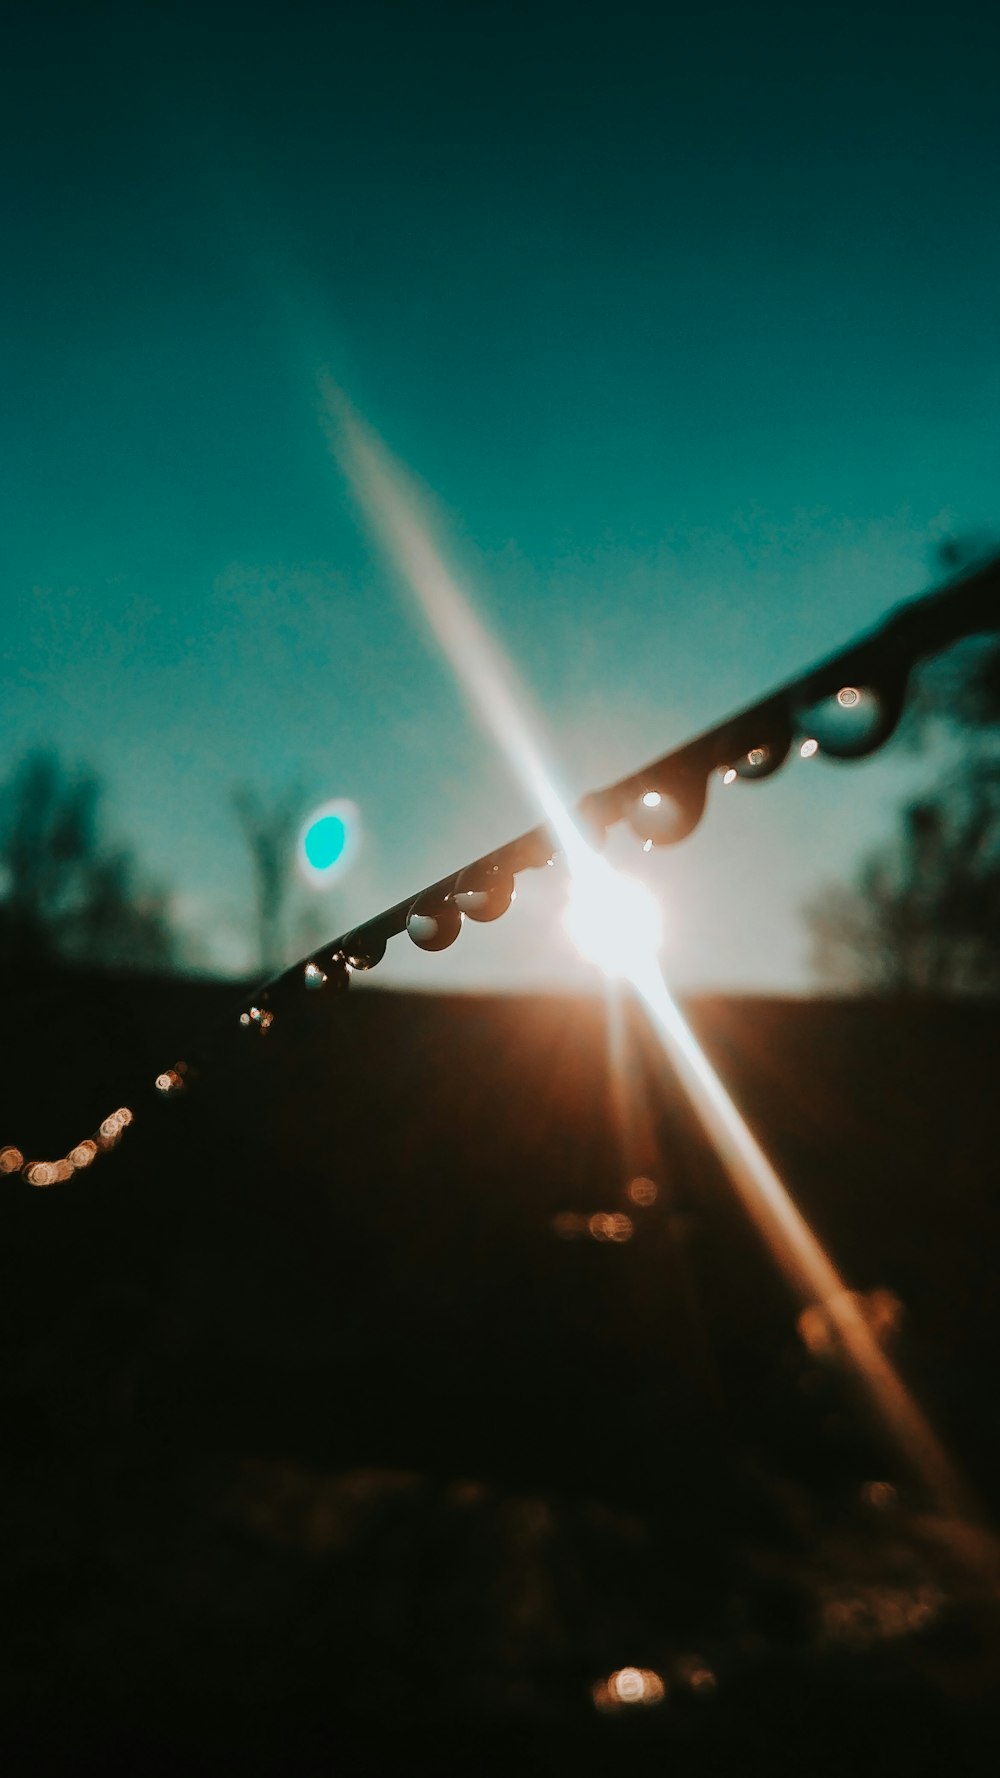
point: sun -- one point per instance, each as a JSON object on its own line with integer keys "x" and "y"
{"x": 614, "y": 921}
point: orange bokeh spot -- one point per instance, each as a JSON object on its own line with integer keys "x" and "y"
{"x": 642, "y": 1191}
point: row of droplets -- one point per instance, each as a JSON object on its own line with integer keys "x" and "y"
{"x": 483, "y": 891}
{"x": 845, "y": 725}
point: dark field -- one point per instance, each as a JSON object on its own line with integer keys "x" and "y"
{"x": 324, "y": 1451}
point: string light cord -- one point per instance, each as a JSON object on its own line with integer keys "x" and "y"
{"x": 845, "y": 707}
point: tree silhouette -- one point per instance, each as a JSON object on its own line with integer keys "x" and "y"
{"x": 65, "y": 893}
{"x": 924, "y": 916}
{"x": 269, "y": 830}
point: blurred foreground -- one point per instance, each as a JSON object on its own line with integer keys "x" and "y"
{"x": 361, "y": 1420}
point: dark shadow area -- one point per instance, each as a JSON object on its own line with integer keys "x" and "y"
{"x": 336, "y": 1442}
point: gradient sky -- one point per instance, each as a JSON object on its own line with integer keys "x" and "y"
{"x": 686, "y": 323}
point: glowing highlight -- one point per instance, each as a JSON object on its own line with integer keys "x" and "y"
{"x": 611, "y": 919}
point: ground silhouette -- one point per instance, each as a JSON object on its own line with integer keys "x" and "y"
{"x": 328, "y": 1450}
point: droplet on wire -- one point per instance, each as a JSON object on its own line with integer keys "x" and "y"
{"x": 853, "y": 721}
{"x": 362, "y": 950}
{"x": 484, "y": 892}
{"x": 83, "y": 1154}
{"x": 11, "y": 1160}
{"x": 433, "y": 924}
{"x": 669, "y": 814}
{"x": 766, "y": 755}
{"x": 171, "y": 1081}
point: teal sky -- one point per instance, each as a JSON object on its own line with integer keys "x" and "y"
{"x": 688, "y": 324}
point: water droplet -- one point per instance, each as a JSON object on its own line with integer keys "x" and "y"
{"x": 433, "y": 924}
{"x": 809, "y": 748}
{"x": 484, "y": 892}
{"x": 313, "y": 976}
{"x": 766, "y": 754}
{"x": 83, "y": 1154}
{"x": 853, "y": 721}
{"x": 362, "y": 950}
{"x": 11, "y": 1160}
{"x": 729, "y": 776}
{"x": 668, "y": 815}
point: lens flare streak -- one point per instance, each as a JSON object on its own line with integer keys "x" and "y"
{"x": 616, "y": 923}
{"x": 801, "y": 1256}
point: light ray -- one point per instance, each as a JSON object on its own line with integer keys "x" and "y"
{"x": 615, "y": 921}
{"x": 482, "y": 674}
{"x": 806, "y": 1265}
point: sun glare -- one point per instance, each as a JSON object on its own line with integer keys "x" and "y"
{"x": 614, "y": 921}
{"x": 616, "y": 924}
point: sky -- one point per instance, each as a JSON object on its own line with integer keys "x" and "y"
{"x": 685, "y": 323}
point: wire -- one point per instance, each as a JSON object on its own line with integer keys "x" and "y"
{"x": 846, "y": 706}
